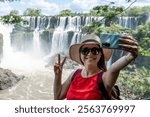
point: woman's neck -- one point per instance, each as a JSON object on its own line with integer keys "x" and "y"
{"x": 87, "y": 71}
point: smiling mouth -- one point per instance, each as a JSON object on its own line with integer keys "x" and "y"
{"x": 90, "y": 58}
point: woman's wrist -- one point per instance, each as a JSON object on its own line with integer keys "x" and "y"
{"x": 129, "y": 57}
{"x": 127, "y": 60}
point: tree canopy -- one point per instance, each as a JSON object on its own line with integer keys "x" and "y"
{"x": 12, "y": 18}
{"x": 66, "y": 12}
{"x": 32, "y": 12}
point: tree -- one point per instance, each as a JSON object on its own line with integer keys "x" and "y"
{"x": 143, "y": 35}
{"x": 14, "y": 13}
{"x": 136, "y": 11}
{"x": 108, "y": 12}
{"x": 32, "y": 12}
{"x": 66, "y": 12}
{"x": 12, "y": 18}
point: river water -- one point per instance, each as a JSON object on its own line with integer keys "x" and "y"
{"x": 37, "y": 86}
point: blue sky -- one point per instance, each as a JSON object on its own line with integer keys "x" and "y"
{"x": 53, "y": 7}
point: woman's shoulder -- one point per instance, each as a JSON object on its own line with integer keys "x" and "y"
{"x": 74, "y": 72}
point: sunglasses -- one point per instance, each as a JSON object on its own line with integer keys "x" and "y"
{"x": 86, "y": 50}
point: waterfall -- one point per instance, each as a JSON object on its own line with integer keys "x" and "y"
{"x": 30, "y": 47}
{"x": 36, "y": 44}
{"x": 128, "y": 22}
{"x": 44, "y": 37}
{"x": 5, "y": 30}
{"x": 60, "y": 39}
{"x": 14, "y": 59}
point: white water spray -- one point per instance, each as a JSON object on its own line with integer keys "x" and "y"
{"x": 18, "y": 60}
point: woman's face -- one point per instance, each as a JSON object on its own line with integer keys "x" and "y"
{"x": 90, "y": 55}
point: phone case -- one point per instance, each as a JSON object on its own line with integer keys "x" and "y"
{"x": 110, "y": 40}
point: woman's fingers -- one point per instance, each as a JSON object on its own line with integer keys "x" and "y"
{"x": 58, "y": 58}
{"x": 63, "y": 61}
{"x": 130, "y": 47}
{"x": 57, "y": 68}
{"x": 59, "y": 65}
{"x": 129, "y": 44}
{"x": 130, "y": 41}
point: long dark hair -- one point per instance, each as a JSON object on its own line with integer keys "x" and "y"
{"x": 101, "y": 63}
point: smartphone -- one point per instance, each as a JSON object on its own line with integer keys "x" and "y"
{"x": 110, "y": 40}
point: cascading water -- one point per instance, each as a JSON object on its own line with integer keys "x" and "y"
{"x": 5, "y": 30}
{"x": 16, "y": 59}
{"x": 21, "y": 62}
{"x": 60, "y": 38}
{"x": 25, "y": 47}
{"x": 128, "y": 22}
{"x": 36, "y": 44}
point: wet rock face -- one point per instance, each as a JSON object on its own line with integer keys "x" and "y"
{"x": 8, "y": 79}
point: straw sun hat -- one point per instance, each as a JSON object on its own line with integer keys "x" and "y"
{"x": 89, "y": 39}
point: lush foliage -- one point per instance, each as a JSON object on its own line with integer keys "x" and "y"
{"x": 143, "y": 35}
{"x": 106, "y": 11}
{"x": 134, "y": 82}
{"x": 12, "y": 18}
{"x": 66, "y": 12}
{"x": 138, "y": 11}
{"x": 113, "y": 28}
{"x": 14, "y": 13}
{"x": 32, "y": 12}
{"x": 15, "y": 18}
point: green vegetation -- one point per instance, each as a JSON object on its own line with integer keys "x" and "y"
{"x": 137, "y": 11}
{"x": 32, "y": 12}
{"x": 12, "y": 18}
{"x": 134, "y": 82}
{"x": 66, "y": 12}
{"x": 15, "y": 18}
{"x": 106, "y": 11}
{"x": 143, "y": 34}
{"x": 113, "y": 28}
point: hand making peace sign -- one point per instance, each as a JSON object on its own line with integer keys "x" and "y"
{"x": 58, "y": 67}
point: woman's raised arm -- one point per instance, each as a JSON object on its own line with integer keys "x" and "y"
{"x": 110, "y": 77}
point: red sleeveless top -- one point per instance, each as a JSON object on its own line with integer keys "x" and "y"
{"x": 84, "y": 88}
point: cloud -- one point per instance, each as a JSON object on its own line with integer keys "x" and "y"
{"x": 5, "y": 8}
{"x": 46, "y": 7}
{"x": 86, "y": 5}
{"x": 137, "y": 3}
{"x": 142, "y": 3}
{"x": 52, "y": 7}
{"x": 83, "y": 5}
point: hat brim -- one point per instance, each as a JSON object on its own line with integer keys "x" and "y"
{"x": 75, "y": 55}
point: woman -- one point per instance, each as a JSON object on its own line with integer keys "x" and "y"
{"x": 82, "y": 84}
